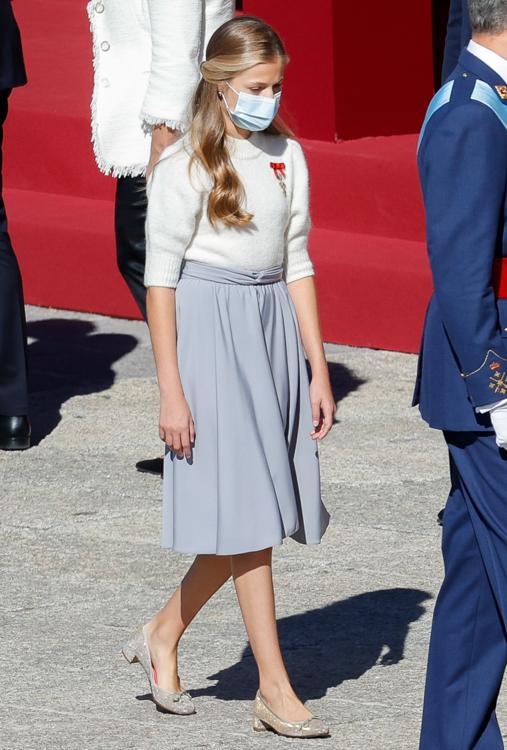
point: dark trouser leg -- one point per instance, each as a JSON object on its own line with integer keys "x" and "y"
{"x": 130, "y": 217}
{"x": 13, "y": 375}
{"x": 468, "y": 650}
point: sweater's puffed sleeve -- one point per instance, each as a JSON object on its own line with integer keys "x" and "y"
{"x": 174, "y": 206}
{"x": 297, "y": 261}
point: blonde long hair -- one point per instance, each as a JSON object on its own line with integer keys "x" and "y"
{"x": 235, "y": 47}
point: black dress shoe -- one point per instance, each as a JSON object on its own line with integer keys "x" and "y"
{"x": 151, "y": 466}
{"x": 14, "y": 433}
{"x": 440, "y": 517}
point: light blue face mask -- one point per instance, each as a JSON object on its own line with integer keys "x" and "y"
{"x": 253, "y": 112}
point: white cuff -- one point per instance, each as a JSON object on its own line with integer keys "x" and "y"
{"x": 149, "y": 122}
{"x": 489, "y": 407}
{"x": 162, "y": 269}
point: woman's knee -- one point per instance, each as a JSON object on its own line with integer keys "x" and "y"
{"x": 246, "y": 561}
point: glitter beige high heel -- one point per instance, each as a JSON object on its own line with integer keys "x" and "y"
{"x": 264, "y": 719}
{"x": 138, "y": 651}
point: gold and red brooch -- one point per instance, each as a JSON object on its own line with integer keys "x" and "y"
{"x": 278, "y": 168}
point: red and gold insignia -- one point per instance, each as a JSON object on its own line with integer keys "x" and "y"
{"x": 279, "y": 170}
{"x": 494, "y": 366}
{"x": 502, "y": 92}
{"x": 498, "y": 382}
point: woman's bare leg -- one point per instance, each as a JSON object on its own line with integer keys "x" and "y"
{"x": 254, "y": 586}
{"x": 205, "y": 577}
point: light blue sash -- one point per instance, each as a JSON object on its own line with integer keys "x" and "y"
{"x": 441, "y": 98}
{"x": 485, "y": 94}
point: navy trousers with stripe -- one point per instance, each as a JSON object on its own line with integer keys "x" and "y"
{"x": 468, "y": 649}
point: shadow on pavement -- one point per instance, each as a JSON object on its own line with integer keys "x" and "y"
{"x": 68, "y": 359}
{"x": 343, "y": 381}
{"x": 325, "y": 647}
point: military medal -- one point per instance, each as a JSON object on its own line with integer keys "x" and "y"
{"x": 498, "y": 382}
{"x": 279, "y": 170}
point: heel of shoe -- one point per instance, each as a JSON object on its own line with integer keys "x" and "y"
{"x": 130, "y": 654}
{"x": 258, "y": 725}
{"x": 15, "y": 443}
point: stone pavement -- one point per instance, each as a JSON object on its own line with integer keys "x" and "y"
{"x": 81, "y": 564}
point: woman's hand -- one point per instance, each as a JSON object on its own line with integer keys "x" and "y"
{"x": 304, "y": 297}
{"x": 177, "y": 428}
{"x": 161, "y": 137}
{"x": 323, "y": 406}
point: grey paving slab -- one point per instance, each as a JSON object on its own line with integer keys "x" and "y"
{"x": 81, "y": 564}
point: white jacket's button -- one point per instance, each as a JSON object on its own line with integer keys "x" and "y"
{"x": 105, "y": 46}
{"x": 105, "y": 82}
{"x": 99, "y": 7}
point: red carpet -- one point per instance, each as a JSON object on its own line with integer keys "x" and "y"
{"x": 368, "y": 237}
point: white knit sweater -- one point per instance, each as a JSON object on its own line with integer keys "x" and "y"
{"x": 178, "y": 228}
{"x": 146, "y": 56}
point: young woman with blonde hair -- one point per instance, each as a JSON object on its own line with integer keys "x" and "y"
{"x": 231, "y": 302}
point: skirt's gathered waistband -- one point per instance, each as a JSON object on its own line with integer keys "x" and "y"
{"x": 193, "y": 269}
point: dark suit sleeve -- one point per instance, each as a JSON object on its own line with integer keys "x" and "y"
{"x": 454, "y": 38}
{"x": 463, "y": 164}
{"x": 12, "y": 68}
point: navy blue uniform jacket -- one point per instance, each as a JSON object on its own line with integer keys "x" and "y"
{"x": 459, "y": 33}
{"x": 12, "y": 68}
{"x": 462, "y": 161}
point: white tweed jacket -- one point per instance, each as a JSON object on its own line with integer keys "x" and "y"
{"x": 146, "y": 56}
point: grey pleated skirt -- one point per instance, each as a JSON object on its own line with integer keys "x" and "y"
{"x": 253, "y": 478}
